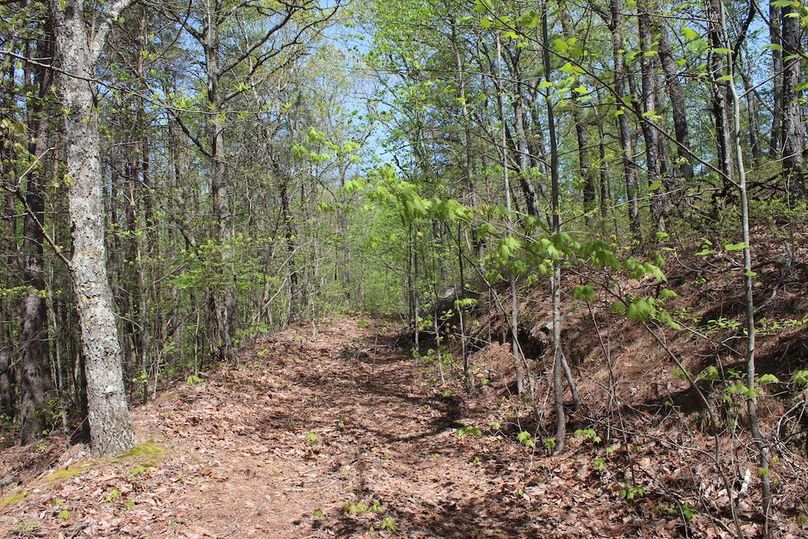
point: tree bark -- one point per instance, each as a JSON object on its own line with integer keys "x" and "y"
{"x": 777, "y": 81}
{"x": 514, "y": 317}
{"x": 108, "y": 414}
{"x": 793, "y": 124}
{"x": 719, "y": 18}
{"x": 678, "y": 107}
{"x": 291, "y": 248}
{"x": 629, "y": 170}
{"x": 718, "y": 61}
{"x": 6, "y": 375}
{"x": 752, "y": 112}
{"x": 650, "y": 133}
{"x": 9, "y": 264}
{"x": 35, "y": 376}
{"x": 224, "y": 301}
{"x": 555, "y": 184}
{"x": 531, "y": 201}
{"x": 585, "y": 169}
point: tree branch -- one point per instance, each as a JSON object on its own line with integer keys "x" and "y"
{"x": 98, "y": 40}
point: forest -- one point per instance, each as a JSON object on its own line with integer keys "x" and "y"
{"x": 418, "y": 268}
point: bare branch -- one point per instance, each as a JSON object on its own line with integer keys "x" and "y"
{"x": 99, "y": 39}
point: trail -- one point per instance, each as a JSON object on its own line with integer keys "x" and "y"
{"x": 290, "y": 443}
{"x": 317, "y": 423}
{"x": 330, "y": 431}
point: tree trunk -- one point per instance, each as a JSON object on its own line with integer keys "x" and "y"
{"x": 555, "y": 183}
{"x": 632, "y": 190}
{"x": 793, "y": 124}
{"x": 522, "y": 149}
{"x": 719, "y": 19}
{"x": 678, "y": 110}
{"x": 777, "y": 81}
{"x": 470, "y": 188}
{"x": 603, "y": 176}
{"x": 110, "y": 426}
{"x": 584, "y": 166}
{"x": 514, "y": 317}
{"x": 291, "y": 248}
{"x": 224, "y": 301}
{"x": 8, "y": 243}
{"x": 6, "y": 375}
{"x": 648, "y": 103}
{"x": 751, "y": 110}
{"x": 35, "y": 376}
{"x": 720, "y": 95}
{"x": 144, "y": 221}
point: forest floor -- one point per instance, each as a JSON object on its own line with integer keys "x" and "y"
{"x": 329, "y": 431}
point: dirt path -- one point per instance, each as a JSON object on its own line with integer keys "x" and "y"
{"x": 336, "y": 434}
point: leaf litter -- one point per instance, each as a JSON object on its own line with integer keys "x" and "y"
{"x": 339, "y": 433}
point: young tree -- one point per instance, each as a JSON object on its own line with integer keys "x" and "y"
{"x": 653, "y": 160}
{"x": 555, "y": 190}
{"x": 216, "y": 26}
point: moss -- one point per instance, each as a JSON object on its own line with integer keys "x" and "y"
{"x": 145, "y": 454}
{"x": 27, "y": 525}
{"x": 144, "y": 450}
{"x": 12, "y": 499}
{"x": 62, "y": 474}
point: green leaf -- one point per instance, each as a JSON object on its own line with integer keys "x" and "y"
{"x": 526, "y": 439}
{"x": 584, "y": 293}
{"x": 641, "y": 310}
{"x": 710, "y": 373}
{"x": 689, "y": 34}
{"x": 388, "y": 524}
{"x": 768, "y": 378}
{"x": 679, "y": 373}
{"x": 468, "y": 430}
{"x": 732, "y": 247}
{"x": 654, "y": 271}
{"x": 667, "y": 293}
{"x": 481, "y": 6}
{"x": 529, "y": 20}
{"x": 588, "y": 434}
{"x": 618, "y": 307}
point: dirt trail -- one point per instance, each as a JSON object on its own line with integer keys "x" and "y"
{"x": 295, "y": 442}
{"x": 335, "y": 432}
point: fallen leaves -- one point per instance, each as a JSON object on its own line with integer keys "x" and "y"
{"x": 280, "y": 447}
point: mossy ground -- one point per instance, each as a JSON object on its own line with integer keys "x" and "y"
{"x": 63, "y": 474}
{"x": 145, "y": 454}
{"x": 12, "y": 499}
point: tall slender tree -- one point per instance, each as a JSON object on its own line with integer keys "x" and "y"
{"x": 35, "y": 375}
{"x": 792, "y": 115}
{"x": 80, "y": 39}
